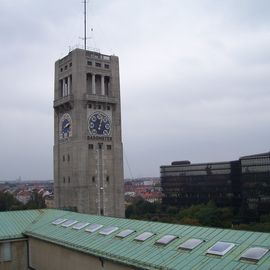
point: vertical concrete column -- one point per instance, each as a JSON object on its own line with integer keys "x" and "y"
{"x": 68, "y": 86}
{"x": 93, "y": 84}
{"x": 102, "y": 85}
{"x": 63, "y": 87}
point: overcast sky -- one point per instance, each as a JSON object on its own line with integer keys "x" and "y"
{"x": 195, "y": 78}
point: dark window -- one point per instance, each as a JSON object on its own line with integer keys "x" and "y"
{"x": 109, "y": 147}
{"x": 101, "y": 212}
{"x": 5, "y": 252}
{"x": 108, "y": 178}
{"x": 89, "y": 106}
{"x": 98, "y": 64}
{"x": 93, "y": 179}
{"x": 100, "y": 146}
{"x": 65, "y": 67}
{"x": 70, "y": 64}
{"x": 89, "y": 63}
{"x": 69, "y": 179}
{"x": 107, "y": 66}
{"x": 108, "y": 108}
{"x": 90, "y": 146}
{"x": 61, "y": 69}
{"x": 64, "y": 158}
{"x": 64, "y": 179}
{"x": 99, "y": 107}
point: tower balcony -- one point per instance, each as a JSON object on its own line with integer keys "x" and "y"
{"x": 65, "y": 102}
{"x": 101, "y": 99}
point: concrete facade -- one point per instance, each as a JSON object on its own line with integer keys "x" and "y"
{"x": 17, "y": 255}
{"x": 48, "y": 256}
{"x": 88, "y": 153}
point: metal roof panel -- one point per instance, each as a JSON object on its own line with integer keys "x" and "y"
{"x": 145, "y": 255}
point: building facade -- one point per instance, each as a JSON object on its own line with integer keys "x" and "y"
{"x": 255, "y": 182}
{"x": 88, "y": 153}
{"x": 241, "y": 183}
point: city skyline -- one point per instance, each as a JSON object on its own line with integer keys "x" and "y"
{"x": 194, "y": 79}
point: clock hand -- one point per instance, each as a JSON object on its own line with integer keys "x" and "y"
{"x": 99, "y": 127}
{"x": 67, "y": 125}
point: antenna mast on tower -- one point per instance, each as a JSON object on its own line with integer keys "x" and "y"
{"x": 85, "y": 38}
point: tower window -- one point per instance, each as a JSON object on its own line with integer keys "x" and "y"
{"x": 93, "y": 179}
{"x": 109, "y": 147}
{"x": 107, "y": 66}
{"x": 70, "y": 64}
{"x": 107, "y": 85}
{"x": 89, "y": 63}
{"x": 61, "y": 69}
{"x": 108, "y": 178}
{"x": 65, "y": 67}
{"x": 64, "y": 158}
{"x": 90, "y": 146}
{"x": 98, "y": 64}
{"x": 100, "y": 146}
{"x": 64, "y": 179}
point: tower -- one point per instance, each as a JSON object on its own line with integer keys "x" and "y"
{"x": 88, "y": 153}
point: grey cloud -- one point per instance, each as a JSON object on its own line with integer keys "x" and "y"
{"x": 194, "y": 78}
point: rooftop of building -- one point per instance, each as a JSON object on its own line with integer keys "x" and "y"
{"x": 266, "y": 154}
{"x": 188, "y": 164}
{"x": 142, "y": 254}
{"x": 90, "y": 52}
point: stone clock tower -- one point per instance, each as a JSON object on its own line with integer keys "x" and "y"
{"x": 88, "y": 153}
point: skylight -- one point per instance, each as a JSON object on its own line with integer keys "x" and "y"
{"x": 166, "y": 239}
{"x": 254, "y": 253}
{"x": 142, "y": 237}
{"x": 190, "y": 244}
{"x": 93, "y": 228}
{"x": 69, "y": 223}
{"x": 220, "y": 248}
{"x": 59, "y": 221}
{"x": 108, "y": 230}
{"x": 125, "y": 233}
{"x": 80, "y": 225}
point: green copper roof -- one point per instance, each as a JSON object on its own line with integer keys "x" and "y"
{"x": 148, "y": 254}
{"x": 14, "y": 223}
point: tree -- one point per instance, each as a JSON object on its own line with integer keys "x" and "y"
{"x": 207, "y": 215}
{"x": 36, "y": 201}
{"x": 8, "y": 202}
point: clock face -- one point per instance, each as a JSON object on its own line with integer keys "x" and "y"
{"x": 65, "y": 126}
{"x": 99, "y": 124}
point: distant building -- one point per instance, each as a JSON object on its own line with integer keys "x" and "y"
{"x": 241, "y": 183}
{"x": 148, "y": 189}
{"x": 49, "y": 201}
{"x": 24, "y": 196}
{"x": 148, "y": 182}
{"x": 151, "y": 197}
{"x": 56, "y": 239}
